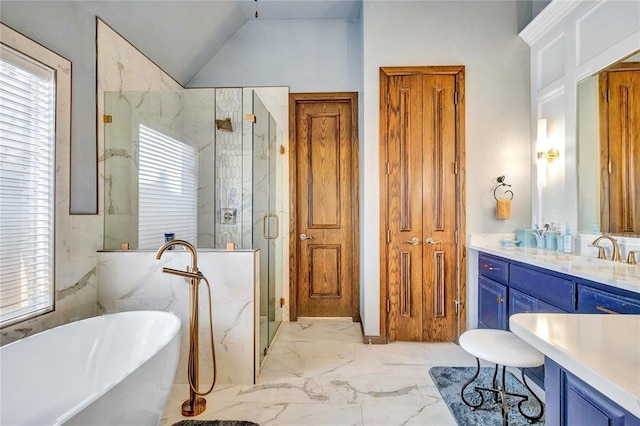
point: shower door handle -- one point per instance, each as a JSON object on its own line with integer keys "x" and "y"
{"x": 265, "y": 219}
{"x": 305, "y": 237}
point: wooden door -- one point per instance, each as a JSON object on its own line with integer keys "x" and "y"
{"x": 422, "y": 211}
{"x": 620, "y": 149}
{"x": 324, "y": 205}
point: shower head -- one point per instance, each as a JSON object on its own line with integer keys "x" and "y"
{"x": 224, "y": 125}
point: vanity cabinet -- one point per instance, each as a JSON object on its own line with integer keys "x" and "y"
{"x": 571, "y": 401}
{"x": 507, "y": 287}
{"x": 595, "y": 301}
{"x": 492, "y": 293}
{"x": 492, "y": 300}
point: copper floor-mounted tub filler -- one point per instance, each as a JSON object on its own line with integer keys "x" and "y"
{"x": 195, "y": 404}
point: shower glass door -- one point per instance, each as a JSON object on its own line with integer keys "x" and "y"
{"x": 267, "y": 211}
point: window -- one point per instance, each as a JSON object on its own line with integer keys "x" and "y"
{"x": 166, "y": 189}
{"x": 27, "y": 186}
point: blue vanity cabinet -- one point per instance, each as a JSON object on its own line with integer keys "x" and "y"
{"x": 520, "y": 303}
{"x": 554, "y": 289}
{"x": 492, "y": 301}
{"x": 570, "y": 401}
{"x": 594, "y": 299}
{"x": 492, "y": 292}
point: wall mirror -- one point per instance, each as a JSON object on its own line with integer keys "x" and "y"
{"x": 609, "y": 149}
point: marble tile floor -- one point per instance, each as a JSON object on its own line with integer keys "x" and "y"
{"x": 319, "y": 372}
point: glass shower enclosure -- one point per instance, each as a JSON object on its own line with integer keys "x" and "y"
{"x": 214, "y": 155}
{"x": 267, "y": 205}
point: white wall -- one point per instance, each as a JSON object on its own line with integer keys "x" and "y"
{"x": 483, "y": 37}
{"x": 306, "y": 55}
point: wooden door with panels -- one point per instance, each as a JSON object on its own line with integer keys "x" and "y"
{"x": 422, "y": 203}
{"x": 324, "y": 268}
{"x": 619, "y": 110}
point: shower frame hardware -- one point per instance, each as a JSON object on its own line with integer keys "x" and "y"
{"x": 195, "y": 404}
{"x": 265, "y": 234}
{"x": 501, "y": 183}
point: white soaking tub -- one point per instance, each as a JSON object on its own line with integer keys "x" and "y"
{"x": 114, "y": 369}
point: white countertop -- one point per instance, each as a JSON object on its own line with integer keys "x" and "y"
{"x": 602, "y": 350}
{"x": 615, "y": 274}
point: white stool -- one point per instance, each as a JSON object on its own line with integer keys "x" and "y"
{"x": 508, "y": 350}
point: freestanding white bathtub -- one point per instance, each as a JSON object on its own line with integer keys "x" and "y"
{"x": 114, "y": 369}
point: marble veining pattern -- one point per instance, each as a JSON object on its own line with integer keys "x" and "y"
{"x": 319, "y": 372}
{"x": 134, "y": 280}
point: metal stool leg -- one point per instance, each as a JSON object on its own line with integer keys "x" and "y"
{"x": 537, "y": 417}
{"x": 503, "y": 395}
{"x": 494, "y": 383}
{"x": 475, "y": 376}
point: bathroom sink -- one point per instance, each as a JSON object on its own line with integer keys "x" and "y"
{"x": 579, "y": 262}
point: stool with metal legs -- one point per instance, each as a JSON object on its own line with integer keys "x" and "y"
{"x": 504, "y": 349}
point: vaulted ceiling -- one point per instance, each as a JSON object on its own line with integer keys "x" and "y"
{"x": 181, "y": 36}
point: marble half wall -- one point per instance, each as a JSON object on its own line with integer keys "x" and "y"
{"x": 130, "y": 281}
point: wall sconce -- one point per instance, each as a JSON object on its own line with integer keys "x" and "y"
{"x": 544, "y": 153}
{"x": 550, "y": 154}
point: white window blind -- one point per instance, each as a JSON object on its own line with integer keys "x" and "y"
{"x": 166, "y": 189}
{"x": 27, "y": 171}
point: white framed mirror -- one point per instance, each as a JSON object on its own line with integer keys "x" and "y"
{"x": 608, "y": 146}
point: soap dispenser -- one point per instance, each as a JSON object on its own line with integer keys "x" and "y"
{"x": 567, "y": 241}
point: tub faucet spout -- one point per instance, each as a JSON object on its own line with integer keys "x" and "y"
{"x": 188, "y": 246}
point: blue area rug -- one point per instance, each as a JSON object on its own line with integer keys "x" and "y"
{"x": 449, "y": 381}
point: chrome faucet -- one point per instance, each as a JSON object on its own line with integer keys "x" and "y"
{"x": 615, "y": 256}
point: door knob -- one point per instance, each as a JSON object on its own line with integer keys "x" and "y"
{"x": 305, "y": 237}
{"x": 414, "y": 241}
{"x": 429, "y": 241}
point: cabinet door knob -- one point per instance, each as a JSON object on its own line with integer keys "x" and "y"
{"x": 499, "y": 299}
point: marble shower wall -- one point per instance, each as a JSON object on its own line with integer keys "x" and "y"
{"x": 122, "y": 68}
{"x": 77, "y": 236}
{"x": 134, "y": 281}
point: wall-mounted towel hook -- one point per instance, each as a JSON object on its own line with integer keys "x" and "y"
{"x": 501, "y": 183}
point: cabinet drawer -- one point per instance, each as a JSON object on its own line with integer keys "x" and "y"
{"x": 492, "y": 268}
{"x": 548, "y": 288}
{"x": 594, "y": 301}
